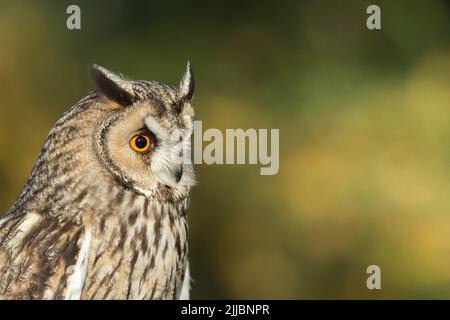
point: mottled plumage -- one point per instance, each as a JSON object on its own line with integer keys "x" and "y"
{"x": 97, "y": 219}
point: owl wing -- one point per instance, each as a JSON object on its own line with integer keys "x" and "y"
{"x": 42, "y": 257}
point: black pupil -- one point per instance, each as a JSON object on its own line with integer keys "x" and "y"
{"x": 141, "y": 142}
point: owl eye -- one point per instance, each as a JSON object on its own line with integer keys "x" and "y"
{"x": 142, "y": 142}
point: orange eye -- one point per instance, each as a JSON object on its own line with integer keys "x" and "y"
{"x": 141, "y": 142}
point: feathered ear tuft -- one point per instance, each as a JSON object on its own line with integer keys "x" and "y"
{"x": 112, "y": 85}
{"x": 187, "y": 84}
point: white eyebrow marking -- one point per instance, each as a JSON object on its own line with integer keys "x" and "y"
{"x": 154, "y": 127}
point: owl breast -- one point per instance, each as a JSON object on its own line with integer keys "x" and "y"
{"x": 138, "y": 252}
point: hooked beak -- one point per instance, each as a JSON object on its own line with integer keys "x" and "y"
{"x": 170, "y": 177}
{"x": 178, "y": 174}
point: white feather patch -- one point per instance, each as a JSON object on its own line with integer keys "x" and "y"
{"x": 78, "y": 277}
{"x": 23, "y": 229}
{"x": 184, "y": 295}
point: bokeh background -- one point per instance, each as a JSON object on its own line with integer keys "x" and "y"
{"x": 364, "y": 119}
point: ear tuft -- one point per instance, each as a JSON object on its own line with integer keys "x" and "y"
{"x": 187, "y": 84}
{"x": 112, "y": 85}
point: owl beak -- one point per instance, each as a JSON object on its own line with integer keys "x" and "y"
{"x": 170, "y": 177}
{"x": 179, "y": 174}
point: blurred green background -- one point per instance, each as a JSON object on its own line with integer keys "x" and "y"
{"x": 364, "y": 119}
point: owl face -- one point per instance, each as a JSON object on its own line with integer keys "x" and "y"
{"x": 144, "y": 140}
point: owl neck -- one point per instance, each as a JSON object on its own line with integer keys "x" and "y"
{"x": 98, "y": 192}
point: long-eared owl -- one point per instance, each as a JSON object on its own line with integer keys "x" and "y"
{"x": 103, "y": 213}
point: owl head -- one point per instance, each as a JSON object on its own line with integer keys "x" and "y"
{"x": 142, "y": 133}
{"x": 126, "y": 137}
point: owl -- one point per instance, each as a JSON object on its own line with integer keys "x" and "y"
{"x": 103, "y": 213}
